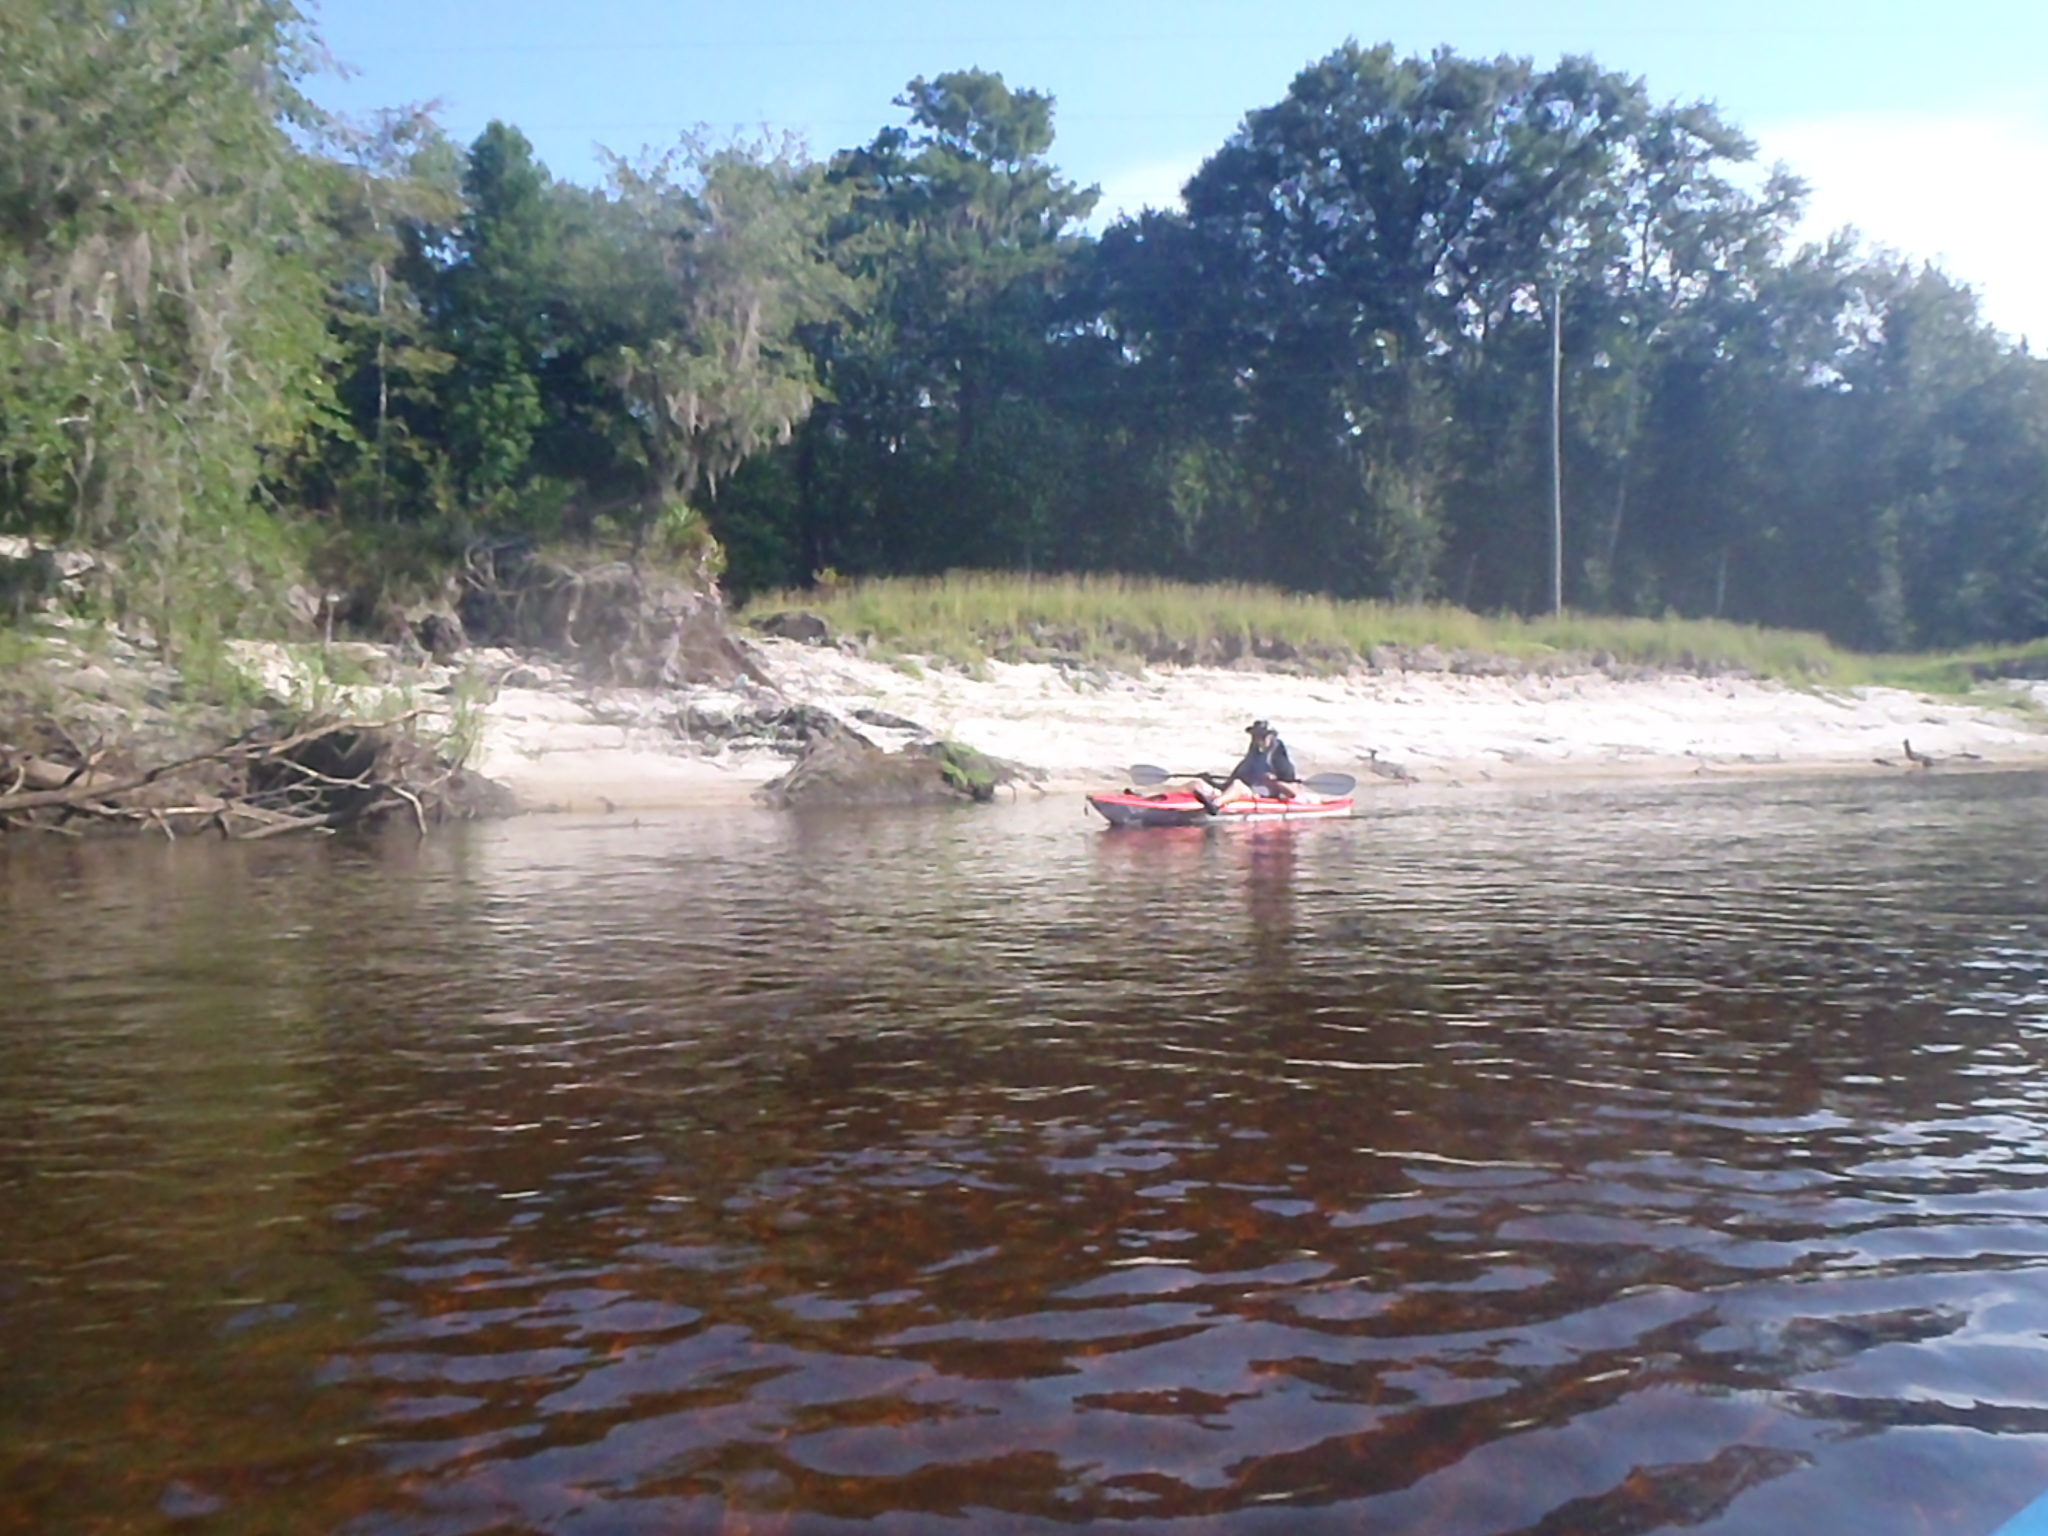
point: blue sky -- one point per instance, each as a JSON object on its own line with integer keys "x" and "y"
{"x": 1923, "y": 124}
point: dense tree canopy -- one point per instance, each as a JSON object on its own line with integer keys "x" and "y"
{"x": 236, "y": 339}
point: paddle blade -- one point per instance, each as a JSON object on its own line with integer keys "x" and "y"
{"x": 1330, "y": 783}
{"x": 1146, "y": 774}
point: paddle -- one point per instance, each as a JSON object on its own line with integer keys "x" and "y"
{"x": 1318, "y": 783}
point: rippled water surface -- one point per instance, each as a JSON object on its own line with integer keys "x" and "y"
{"x": 1597, "y": 1162}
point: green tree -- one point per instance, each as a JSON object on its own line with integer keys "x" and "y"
{"x": 1355, "y": 250}
{"x": 392, "y": 192}
{"x": 938, "y": 443}
{"x": 1928, "y": 476}
{"x": 704, "y": 267}
{"x": 1664, "y": 258}
{"x": 500, "y": 303}
{"x": 161, "y": 325}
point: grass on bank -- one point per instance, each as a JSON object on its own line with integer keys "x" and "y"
{"x": 968, "y": 617}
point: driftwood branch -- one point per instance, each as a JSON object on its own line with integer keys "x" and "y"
{"x": 308, "y": 780}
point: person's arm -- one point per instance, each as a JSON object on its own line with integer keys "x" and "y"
{"x": 1283, "y": 765}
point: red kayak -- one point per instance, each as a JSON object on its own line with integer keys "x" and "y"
{"x": 1180, "y": 808}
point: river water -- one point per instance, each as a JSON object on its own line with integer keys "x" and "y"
{"x": 1599, "y": 1161}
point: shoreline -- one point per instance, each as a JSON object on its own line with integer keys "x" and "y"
{"x": 1070, "y": 728}
{"x": 533, "y": 734}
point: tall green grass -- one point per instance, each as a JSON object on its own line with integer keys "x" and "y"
{"x": 967, "y": 617}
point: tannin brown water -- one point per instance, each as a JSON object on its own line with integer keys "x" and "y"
{"x": 1609, "y": 1161}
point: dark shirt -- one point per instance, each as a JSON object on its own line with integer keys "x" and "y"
{"x": 1261, "y": 768}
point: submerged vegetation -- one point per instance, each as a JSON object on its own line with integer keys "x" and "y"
{"x": 969, "y": 617}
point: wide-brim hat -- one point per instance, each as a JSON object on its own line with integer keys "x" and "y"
{"x": 1258, "y": 728}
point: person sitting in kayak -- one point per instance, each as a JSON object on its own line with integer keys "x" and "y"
{"x": 1266, "y": 771}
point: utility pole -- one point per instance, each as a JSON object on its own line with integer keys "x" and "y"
{"x": 1557, "y": 448}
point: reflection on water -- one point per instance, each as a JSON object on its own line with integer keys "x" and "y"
{"x": 1607, "y": 1162}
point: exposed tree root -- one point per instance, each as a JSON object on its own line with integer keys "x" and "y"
{"x": 320, "y": 778}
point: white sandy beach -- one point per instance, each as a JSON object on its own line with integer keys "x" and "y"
{"x": 1079, "y": 728}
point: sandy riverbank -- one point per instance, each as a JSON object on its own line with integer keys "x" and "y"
{"x": 1076, "y": 727}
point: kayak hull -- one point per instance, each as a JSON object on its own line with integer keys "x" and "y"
{"x": 1180, "y": 808}
{"x": 1125, "y": 809}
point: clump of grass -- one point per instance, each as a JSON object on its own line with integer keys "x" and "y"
{"x": 18, "y": 647}
{"x": 1701, "y": 645}
{"x": 967, "y": 770}
{"x": 1957, "y": 672}
{"x": 966, "y": 617}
